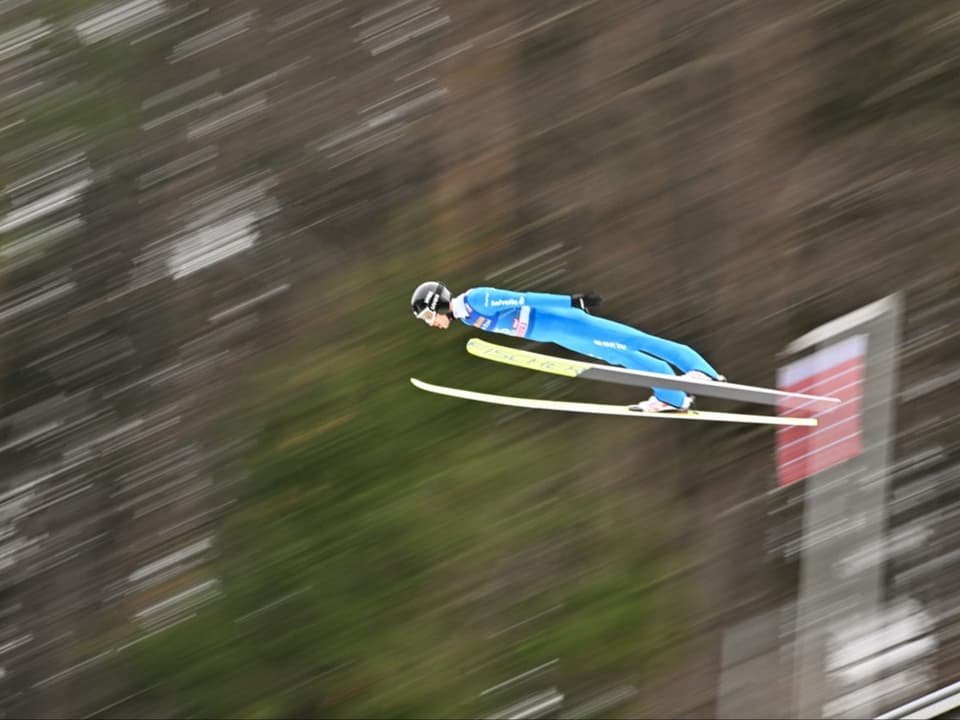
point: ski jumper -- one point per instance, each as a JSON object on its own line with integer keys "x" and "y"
{"x": 550, "y": 318}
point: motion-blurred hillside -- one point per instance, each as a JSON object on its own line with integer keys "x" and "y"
{"x": 221, "y": 497}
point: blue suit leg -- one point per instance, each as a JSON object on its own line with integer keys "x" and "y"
{"x": 619, "y": 344}
{"x": 635, "y": 360}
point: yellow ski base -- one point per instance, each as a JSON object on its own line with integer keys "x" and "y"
{"x": 602, "y": 409}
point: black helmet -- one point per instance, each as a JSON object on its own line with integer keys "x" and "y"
{"x": 431, "y": 295}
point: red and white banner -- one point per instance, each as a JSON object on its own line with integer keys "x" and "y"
{"x": 836, "y": 370}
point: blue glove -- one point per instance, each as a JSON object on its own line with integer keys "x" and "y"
{"x": 585, "y": 301}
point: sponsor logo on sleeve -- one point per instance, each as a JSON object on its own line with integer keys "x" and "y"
{"x": 521, "y": 323}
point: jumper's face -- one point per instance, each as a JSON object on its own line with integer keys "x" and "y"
{"x": 441, "y": 321}
{"x": 434, "y": 319}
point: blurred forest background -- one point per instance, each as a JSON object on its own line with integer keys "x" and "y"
{"x": 220, "y": 494}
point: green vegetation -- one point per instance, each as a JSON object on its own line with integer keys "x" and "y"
{"x": 385, "y": 542}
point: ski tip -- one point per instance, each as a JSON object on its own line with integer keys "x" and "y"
{"x": 821, "y": 399}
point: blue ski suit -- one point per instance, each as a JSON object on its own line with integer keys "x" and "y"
{"x": 549, "y": 318}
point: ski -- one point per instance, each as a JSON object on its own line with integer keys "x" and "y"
{"x": 609, "y": 373}
{"x": 602, "y": 409}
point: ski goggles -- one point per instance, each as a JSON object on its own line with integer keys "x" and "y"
{"x": 427, "y": 315}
